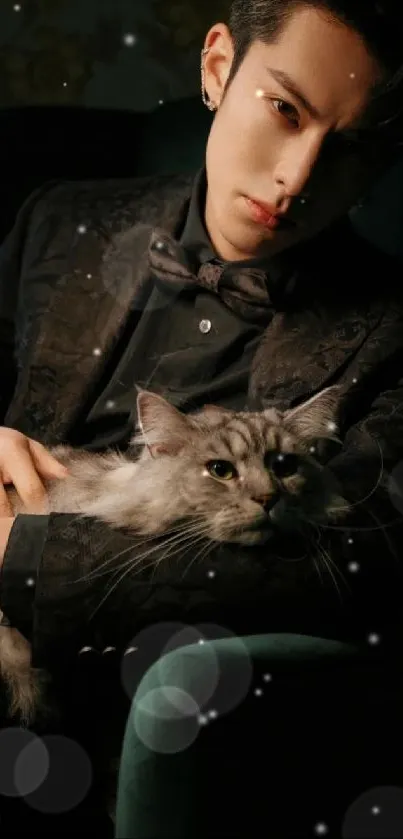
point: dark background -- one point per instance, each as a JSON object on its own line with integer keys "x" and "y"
{"x": 127, "y": 54}
{"x": 110, "y": 88}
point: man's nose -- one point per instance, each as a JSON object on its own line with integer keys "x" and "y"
{"x": 294, "y": 169}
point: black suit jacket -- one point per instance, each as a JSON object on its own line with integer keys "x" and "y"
{"x": 73, "y": 267}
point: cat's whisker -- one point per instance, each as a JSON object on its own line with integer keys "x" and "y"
{"x": 98, "y": 572}
{"x": 201, "y": 537}
{"x": 138, "y": 560}
{"x": 355, "y": 529}
{"x": 329, "y": 564}
{"x": 360, "y": 501}
{"x": 317, "y": 569}
{"x": 178, "y": 541}
{"x": 156, "y": 562}
{"x": 325, "y": 557}
{"x": 193, "y": 531}
{"x": 199, "y": 556}
{"x": 296, "y": 559}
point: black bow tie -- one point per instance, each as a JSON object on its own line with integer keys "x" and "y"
{"x": 244, "y": 289}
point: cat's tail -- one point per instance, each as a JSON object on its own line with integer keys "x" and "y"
{"x": 24, "y": 685}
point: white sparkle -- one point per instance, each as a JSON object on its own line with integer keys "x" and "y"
{"x": 213, "y": 714}
{"x": 259, "y": 93}
{"x": 110, "y": 404}
{"x": 201, "y": 641}
{"x": 17, "y": 7}
{"x": 258, "y": 692}
{"x": 130, "y": 650}
{"x": 352, "y": 75}
{"x": 353, "y": 567}
{"x": 89, "y": 276}
{"x": 97, "y": 351}
{"x": 81, "y": 228}
{"x": 211, "y": 574}
{"x": 302, "y": 200}
{"x": 312, "y": 450}
{"x": 267, "y": 677}
{"x": 64, "y": 84}
{"x": 160, "y": 101}
{"x": 30, "y": 582}
{"x": 355, "y": 381}
{"x": 350, "y": 541}
{"x": 108, "y": 650}
{"x": 85, "y": 650}
{"x": 375, "y": 811}
{"x": 202, "y": 719}
{"x": 321, "y": 829}
{"x": 129, "y": 39}
{"x": 373, "y": 638}
{"x": 332, "y": 426}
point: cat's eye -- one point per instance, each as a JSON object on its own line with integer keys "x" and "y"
{"x": 284, "y": 465}
{"x": 221, "y": 469}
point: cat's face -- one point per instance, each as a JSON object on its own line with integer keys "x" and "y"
{"x": 239, "y": 475}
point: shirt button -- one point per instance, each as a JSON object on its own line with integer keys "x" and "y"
{"x": 205, "y": 326}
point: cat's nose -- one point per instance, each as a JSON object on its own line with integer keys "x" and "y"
{"x": 266, "y": 501}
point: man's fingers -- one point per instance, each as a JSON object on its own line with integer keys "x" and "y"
{"x": 27, "y": 465}
{"x": 27, "y": 482}
{"x": 45, "y": 463}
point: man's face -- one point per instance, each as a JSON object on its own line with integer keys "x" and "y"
{"x": 285, "y": 134}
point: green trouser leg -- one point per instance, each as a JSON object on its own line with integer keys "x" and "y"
{"x": 297, "y": 729}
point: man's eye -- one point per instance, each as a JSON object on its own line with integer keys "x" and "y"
{"x": 286, "y": 110}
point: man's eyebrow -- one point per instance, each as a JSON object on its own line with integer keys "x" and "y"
{"x": 289, "y": 84}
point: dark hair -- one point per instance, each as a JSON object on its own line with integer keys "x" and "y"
{"x": 378, "y": 22}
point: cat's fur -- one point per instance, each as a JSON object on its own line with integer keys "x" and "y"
{"x": 169, "y": 482}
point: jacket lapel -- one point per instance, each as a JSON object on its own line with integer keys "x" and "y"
{"x": 69, "y": 344}
{"x": 301, "y": 354}
{"x": 332, "y": 313}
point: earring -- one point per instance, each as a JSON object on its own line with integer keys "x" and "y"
{"x": 206, "y": 101}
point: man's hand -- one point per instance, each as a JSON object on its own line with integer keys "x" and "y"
{"x": 23, "y": 462}
{"x": 5, "y": 529}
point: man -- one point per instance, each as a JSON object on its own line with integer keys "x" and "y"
{"x": 244, "y": 288}
{"x": 90, "y": 308}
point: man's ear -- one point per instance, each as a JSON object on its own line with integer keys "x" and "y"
{"x": 217, "y": 61}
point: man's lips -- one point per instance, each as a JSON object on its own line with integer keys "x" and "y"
{"x": 266, "y": 214}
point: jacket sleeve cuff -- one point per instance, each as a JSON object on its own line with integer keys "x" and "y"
{"x": 20, "y": 570}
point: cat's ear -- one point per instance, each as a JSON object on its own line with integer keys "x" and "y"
{"x": 318, "y": 417}
{"x": 163, "y": 428}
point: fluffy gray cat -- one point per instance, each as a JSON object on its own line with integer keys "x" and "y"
{"x": 234, "y": 476}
